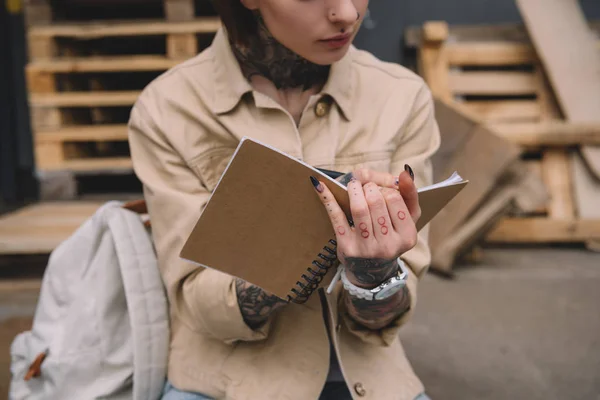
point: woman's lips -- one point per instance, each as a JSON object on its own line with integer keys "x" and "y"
{"x": 337, "y": 41}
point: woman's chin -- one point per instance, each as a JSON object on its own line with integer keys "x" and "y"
{"x": 328, "y": 57}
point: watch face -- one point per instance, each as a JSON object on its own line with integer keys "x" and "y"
{"x": 389, "y": 290}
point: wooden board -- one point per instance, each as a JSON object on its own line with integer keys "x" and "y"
{"x": 544, "y": 230}
{"x": 479, "y": 156}
{"x": 39, "y": 228}
{"x": 67, "y": 65}
{"x": 84, "y": 99}
{"x": 95, "y": 30}
{"x": 568, "y": 51}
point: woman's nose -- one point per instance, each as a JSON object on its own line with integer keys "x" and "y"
{"x": 343, "y": 13}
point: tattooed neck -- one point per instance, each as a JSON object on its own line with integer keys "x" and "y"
{"x": 266, "y": 57}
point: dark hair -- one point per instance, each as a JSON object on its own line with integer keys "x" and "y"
{"x": 239, "y": 22}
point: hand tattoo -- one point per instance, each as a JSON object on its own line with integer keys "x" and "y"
{"x": 378, "y": 314}
{"x": 370, "y": 272}
{"x": 255, "y": 304}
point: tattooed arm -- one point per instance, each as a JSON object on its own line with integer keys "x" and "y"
{"x": 368, "y": 273}
{"x": 255, "y": 304}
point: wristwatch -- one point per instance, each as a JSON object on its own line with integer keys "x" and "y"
{"x": 383, "y": 291}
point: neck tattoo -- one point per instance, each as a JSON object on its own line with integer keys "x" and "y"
{"x": 266, "y": 57}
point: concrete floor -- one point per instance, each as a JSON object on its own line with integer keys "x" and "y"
{"x": 524, "y": 324}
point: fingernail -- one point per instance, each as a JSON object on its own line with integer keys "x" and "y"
{"x": 397, "y": 181}
{"x": 408, "y": 169}
{"x": 316, "y": 184}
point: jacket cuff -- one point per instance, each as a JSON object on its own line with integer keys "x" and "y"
{"x": 216, "y": 305}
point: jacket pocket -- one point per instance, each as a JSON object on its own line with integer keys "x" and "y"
{"x": 375, "y": 160}
{"x": 210, "y": 165}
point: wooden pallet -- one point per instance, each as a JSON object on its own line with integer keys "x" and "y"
{"x": 495, "y": 74}
{"x": 84, "y": 76}
{"x": 39, "y": 228}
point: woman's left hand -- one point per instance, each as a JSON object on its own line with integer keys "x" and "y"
{"x": 383, "y": 227}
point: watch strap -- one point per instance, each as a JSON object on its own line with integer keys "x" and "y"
{"x": 370, "y": 294}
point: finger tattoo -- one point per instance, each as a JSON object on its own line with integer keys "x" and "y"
{"x": 384, "y": 228}
{"x": 402, "y": 215}
{"x": 364, "y": 230}
{"x": 341, "y": 230}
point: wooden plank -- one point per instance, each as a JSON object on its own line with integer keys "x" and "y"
{"x": 516, "y": 33}
{"x": 38, "y": 12}
{"x": 100, "y": 133}
{"x": 551, "y": 133}
{"x": 544, "y": 230}
{"x": 102, "y": 64}
{"x": 492, "y": 83}
{"x": 490, "y": 54}
{"x": 93, "y": 164}
{"x": 433, "y": 60}
{"x": 556, "y": 172}
{"x": 42, "y": 227}
{"x": 587, "y": 193}
{"x": 95, "y": 30}
{"x": 470, "y": 147}
{"x": 182, "y": 46}
{"x": 179, "y": 10}
{"x": 41, "y": 48}
{"x": 505, "y": 110}
{"x": 568, "y": 51}
{"x": 85, "y": 99}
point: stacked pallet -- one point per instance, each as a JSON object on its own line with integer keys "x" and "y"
{"x": 494, "y": 72}
{"x": 84, "y": 76}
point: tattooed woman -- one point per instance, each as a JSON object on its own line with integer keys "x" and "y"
{"x": 285, "y": 72}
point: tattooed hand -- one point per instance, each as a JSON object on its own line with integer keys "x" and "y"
{"x": 255, "y": 304}
{"x": 384, "y": 212}
{"x": 383, "y": 223}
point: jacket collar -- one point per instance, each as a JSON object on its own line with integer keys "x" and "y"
{"x": 231, "y": 85}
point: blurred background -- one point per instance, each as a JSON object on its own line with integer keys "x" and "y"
{"x": 510, "y": 310}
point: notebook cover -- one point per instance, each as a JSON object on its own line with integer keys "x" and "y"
{"x": 264, "y": 222}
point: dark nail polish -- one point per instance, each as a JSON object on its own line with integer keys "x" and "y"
{"x": 316, "y": 184}
{"x": 408, "y": 169}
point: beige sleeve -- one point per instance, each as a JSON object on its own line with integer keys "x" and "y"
{"x": 203, "y": 299}
{"x": 421, "y": 139}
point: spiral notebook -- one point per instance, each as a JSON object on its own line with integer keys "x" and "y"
{"x": 264, "y": 222}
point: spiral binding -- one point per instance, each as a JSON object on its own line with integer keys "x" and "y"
{"x": 311, "y": 281}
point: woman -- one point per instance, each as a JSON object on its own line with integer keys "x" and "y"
{"x": 284, "y": 72}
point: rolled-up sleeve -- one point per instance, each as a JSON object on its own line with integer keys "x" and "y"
{"x": 419, "y": 140}
{"x": 204, "y": 300}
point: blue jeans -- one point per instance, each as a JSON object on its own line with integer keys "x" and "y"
{"x": 170, "y": 393}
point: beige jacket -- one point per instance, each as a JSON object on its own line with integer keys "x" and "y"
{"x": 184, "y": 129}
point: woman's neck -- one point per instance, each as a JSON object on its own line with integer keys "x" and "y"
{"x": 274, "y": 70}
{"x": 266, "y": 57}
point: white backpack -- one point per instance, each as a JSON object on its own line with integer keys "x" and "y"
{"x": 101, "y": 323}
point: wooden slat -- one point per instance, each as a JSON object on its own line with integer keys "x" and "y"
{"x": 100, "y": 133}
{"x": 93, "y": 30}
{"x": 492, "y": 83}
{"x": 556, "y": 172}
{"x": 103, "y": 64}
{"x": 544, "y": 230}
{"x": 85, "y": 99}
{"x": 490, "y": 54}
{"x": 94, "y": 164}
{"x": 505, "y": 110}
{"x": 555, "y": 133}
{"x": 39, "y": 228}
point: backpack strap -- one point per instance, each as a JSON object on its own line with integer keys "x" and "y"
{"x": 146, "y": 302}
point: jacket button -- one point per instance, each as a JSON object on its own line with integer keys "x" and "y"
{"x": 359, "y": 389}
{"x": 321, "y": 109}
